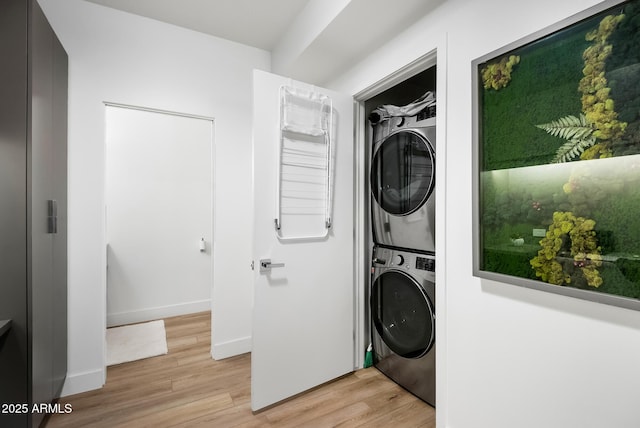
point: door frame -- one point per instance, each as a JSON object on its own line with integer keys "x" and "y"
{"x": 436, "y": 57}
{"x": 213, "y": 192}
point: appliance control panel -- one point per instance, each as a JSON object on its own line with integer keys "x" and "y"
{"x": 426, "y": 113}
{"x": 424, "y": 263}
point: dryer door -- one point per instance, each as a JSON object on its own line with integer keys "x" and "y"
{"x": 402, "y": 173}
{"x": 402, "y": 314}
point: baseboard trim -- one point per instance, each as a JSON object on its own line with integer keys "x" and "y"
{"x": 83, "y": 382}
{"x": 150, "y": 314}
{"x": 231, "y": 348}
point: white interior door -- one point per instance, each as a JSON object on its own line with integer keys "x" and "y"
{"x": 159, "y": 219}
{"x": 303, "y": 319}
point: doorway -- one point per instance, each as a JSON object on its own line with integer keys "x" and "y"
{"x": 399, "y": 88}
{"x": 159, "y": 213}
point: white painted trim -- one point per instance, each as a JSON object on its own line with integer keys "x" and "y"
{"x": 150, "y": 314}
{"x": 231, "y": 348}
{"x": 155, "y": 110}
{"x": 441, "y": 220}
{"x": 104, "y": 263}
{"x": 82, "y": 382}
{"x": 400, "y": 75}
{"x": 214, "y": 234}
{"x": 361, "y": 341}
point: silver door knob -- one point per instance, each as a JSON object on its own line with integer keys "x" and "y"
{"x": 266, "y": 265}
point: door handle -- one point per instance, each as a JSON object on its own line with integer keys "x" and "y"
{"x": 266, "y": 265}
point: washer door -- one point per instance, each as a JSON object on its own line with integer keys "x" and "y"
{"x": 402, "y": 314}
{"x": 402, "y": 173}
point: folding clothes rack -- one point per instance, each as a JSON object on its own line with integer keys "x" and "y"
{"x": 304, "y": 191}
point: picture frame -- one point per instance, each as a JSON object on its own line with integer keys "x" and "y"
{"x": 556, "y": 158}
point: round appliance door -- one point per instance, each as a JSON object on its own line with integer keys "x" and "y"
{"x": 402, "y": 314}
{"x": 402, "y": 173}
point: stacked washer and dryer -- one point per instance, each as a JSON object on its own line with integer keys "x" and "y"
{"x": 402, "y": 293}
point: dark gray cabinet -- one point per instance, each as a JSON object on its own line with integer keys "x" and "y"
{"x": 33, "y": 216}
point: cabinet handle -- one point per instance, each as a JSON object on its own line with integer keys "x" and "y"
{"x": 52, "y": 216}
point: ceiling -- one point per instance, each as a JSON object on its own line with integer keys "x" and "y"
{"x": 251, "y": 22}
{"x": 355, "y": 27}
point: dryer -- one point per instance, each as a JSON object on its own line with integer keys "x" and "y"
{"x": 403, "y": 319}
{"x": 402, "y": 181}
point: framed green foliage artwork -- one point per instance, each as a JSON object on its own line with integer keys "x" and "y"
{"x": 557, "y": 158}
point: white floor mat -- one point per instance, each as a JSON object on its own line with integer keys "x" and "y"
{"x": 135, "y": 342}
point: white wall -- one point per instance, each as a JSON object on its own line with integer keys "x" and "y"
{"x": 513, "y": 357}
{"x": 118, "y": 57}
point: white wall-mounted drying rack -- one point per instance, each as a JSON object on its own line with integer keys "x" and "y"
{"x": 304, "y": 191}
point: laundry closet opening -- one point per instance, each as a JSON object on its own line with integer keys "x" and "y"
{"x": 400, "y": 94}
{"x": 399, "y": 232}
{"x": 159, "y": 214}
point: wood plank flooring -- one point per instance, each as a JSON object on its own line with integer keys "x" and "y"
{"x": 186, "y": 388}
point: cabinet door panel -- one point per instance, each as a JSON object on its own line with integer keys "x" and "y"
{"x": 59, "y": 181}
{"x": 13, "y": 214}
{"x": 40, "y": 171}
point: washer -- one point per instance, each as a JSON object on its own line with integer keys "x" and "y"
{"x": 402, "y": 181}
{"x": 403, "y": 319}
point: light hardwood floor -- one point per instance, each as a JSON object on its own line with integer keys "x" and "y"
{"x": 186, "y": 388}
